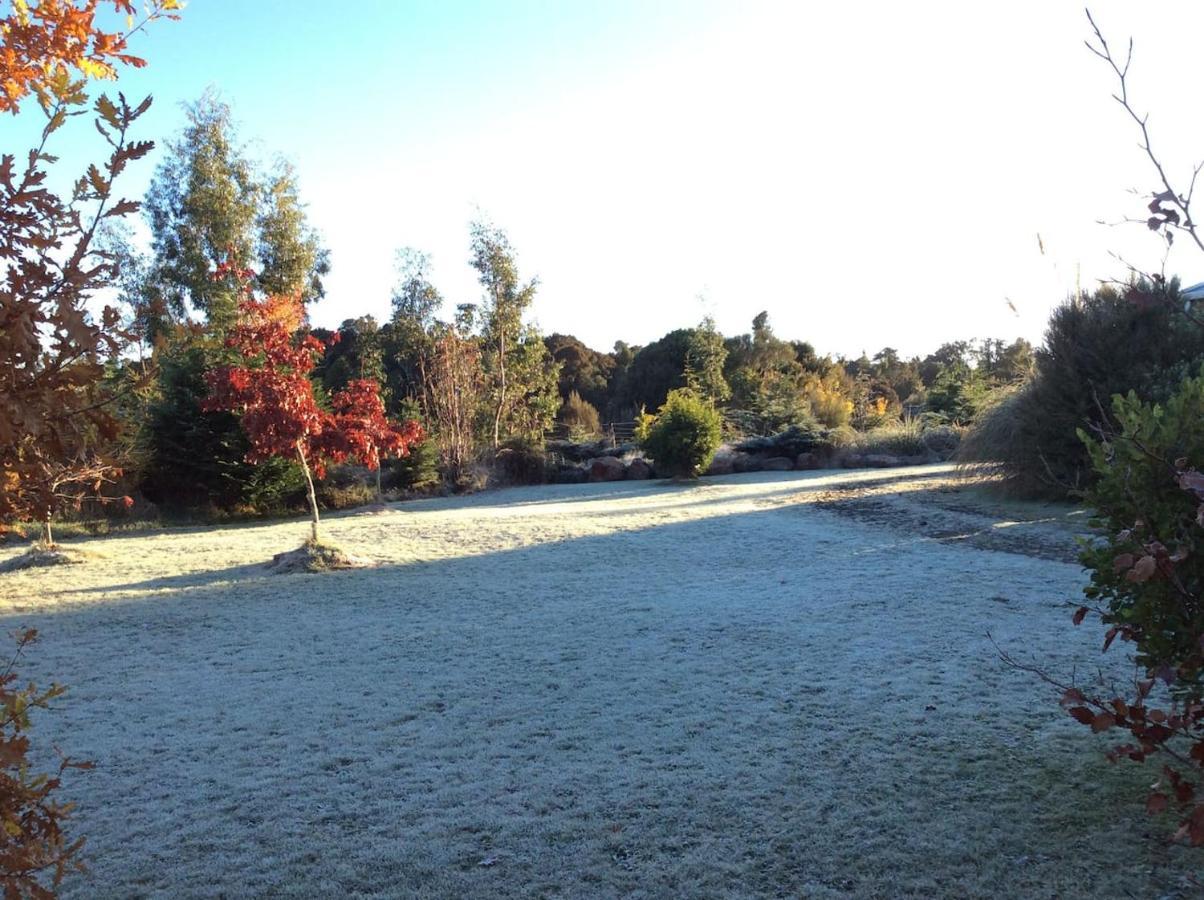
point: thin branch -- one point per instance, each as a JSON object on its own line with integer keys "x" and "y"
{"x": 1169, "y": 195}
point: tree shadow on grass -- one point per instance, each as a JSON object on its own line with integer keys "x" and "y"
{"x": 691, "y": 679}
{"x": 697, "y": 494}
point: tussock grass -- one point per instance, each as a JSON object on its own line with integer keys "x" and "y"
{"x": 40, "y": 555}
{"x": 1004, "y": 446}
{"x": 314, "y": 557}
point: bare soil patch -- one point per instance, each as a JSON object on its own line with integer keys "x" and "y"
{"x": 950, "y": 509}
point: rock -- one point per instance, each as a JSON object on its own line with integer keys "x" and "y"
{"x": 722, "y": 464}
{"x": 618, "y": 450}
{"x": 606, "y": 468}
{"x": 571, "y": 475}
{"x": 808, "y": 460}
{"x": 746, "y": 462}
{"x": 882, "y": 461}
{"x": 853, "y": 461}
{"x": 789, "y": 443}
{"x": 638, "y": 470}
{"x": 777, "y": 464}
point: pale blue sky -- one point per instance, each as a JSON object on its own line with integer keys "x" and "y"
{"x": 871, "y": 173}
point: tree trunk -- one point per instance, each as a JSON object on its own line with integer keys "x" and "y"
{"x": 501, "y": 358}
{"x": 313, "y": 497}
{"x": 47, "y": 537}
{"x": 378, "y": 491}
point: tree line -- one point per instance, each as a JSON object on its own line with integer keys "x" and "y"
{"x": 480, "y": 380}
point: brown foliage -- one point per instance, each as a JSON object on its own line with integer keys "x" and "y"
{"x": 55, "y": 425}
{"x": 453, "y": 388}
{"x": 33, "y": 847}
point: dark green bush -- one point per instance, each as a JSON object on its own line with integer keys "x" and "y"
{"x": 1109, "y": 343}
{"x": 517, "y": 463}
{"x": 196, "y": 460}
{"x": 684, "y": 435}
{"x": 416, "y": 472}
{"x": 1142, "y": 508}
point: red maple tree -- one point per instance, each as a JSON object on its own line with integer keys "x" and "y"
{"x": 270, "y": 388}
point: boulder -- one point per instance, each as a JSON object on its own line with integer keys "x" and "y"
{"x": 882, "y": 461}
{"x": 606, "y": 468}
{"x": 777, "y": 464}
{"x": 571, "y": 475}
{"x": 638, "y": 470}
{"x": 789, "y": 443}
{"x": 618, "y": 450}
{"x": 808, "y": 460}
{"x": 722, "y": 464}
{"x": 746, "y": 462}
{"x": 853, "y": 461}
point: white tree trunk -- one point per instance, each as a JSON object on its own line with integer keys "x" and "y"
{"x": 313, "y": 497}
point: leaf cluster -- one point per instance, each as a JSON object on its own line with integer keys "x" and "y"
{"x": 34, "y": 849}
{"x": 1147, "y": 586}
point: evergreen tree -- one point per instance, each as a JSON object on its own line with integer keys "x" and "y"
{"x": 705, "y": 355}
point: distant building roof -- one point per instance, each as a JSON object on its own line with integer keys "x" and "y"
{"x": 1195, "y": 292}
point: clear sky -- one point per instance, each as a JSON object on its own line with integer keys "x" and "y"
{"x": 871, "y": 173}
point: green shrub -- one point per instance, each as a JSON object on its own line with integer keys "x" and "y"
{"x": 1138, "y": 500}
{"x": 1147, "y": 579}
{"x": 1109, "y": 343}
{"x": 418, "y": 471}
{"x": 958, "y": 394}
{"x": 683, "y": 436}
{"x": 196, "y": 460}
{"x": 579, "y": 418}
{"x": 517, "y": 463}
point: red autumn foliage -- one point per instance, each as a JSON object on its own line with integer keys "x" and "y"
{"x": 270, "y": 388}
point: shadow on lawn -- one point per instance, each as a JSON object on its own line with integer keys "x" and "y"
{"x": 760, "y": 608}
{"x": 627, "y": 555}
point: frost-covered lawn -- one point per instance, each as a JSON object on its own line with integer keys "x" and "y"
{"x": 635, "y": 689}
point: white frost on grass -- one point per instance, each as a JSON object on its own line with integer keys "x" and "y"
{"x": 633, "y": 689}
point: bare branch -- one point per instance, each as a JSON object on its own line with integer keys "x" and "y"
{"x": 1174, "y": 198}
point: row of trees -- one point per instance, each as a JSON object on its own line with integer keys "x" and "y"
{"x": 480, "y": 380}
{"x": 768, "y": 383}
